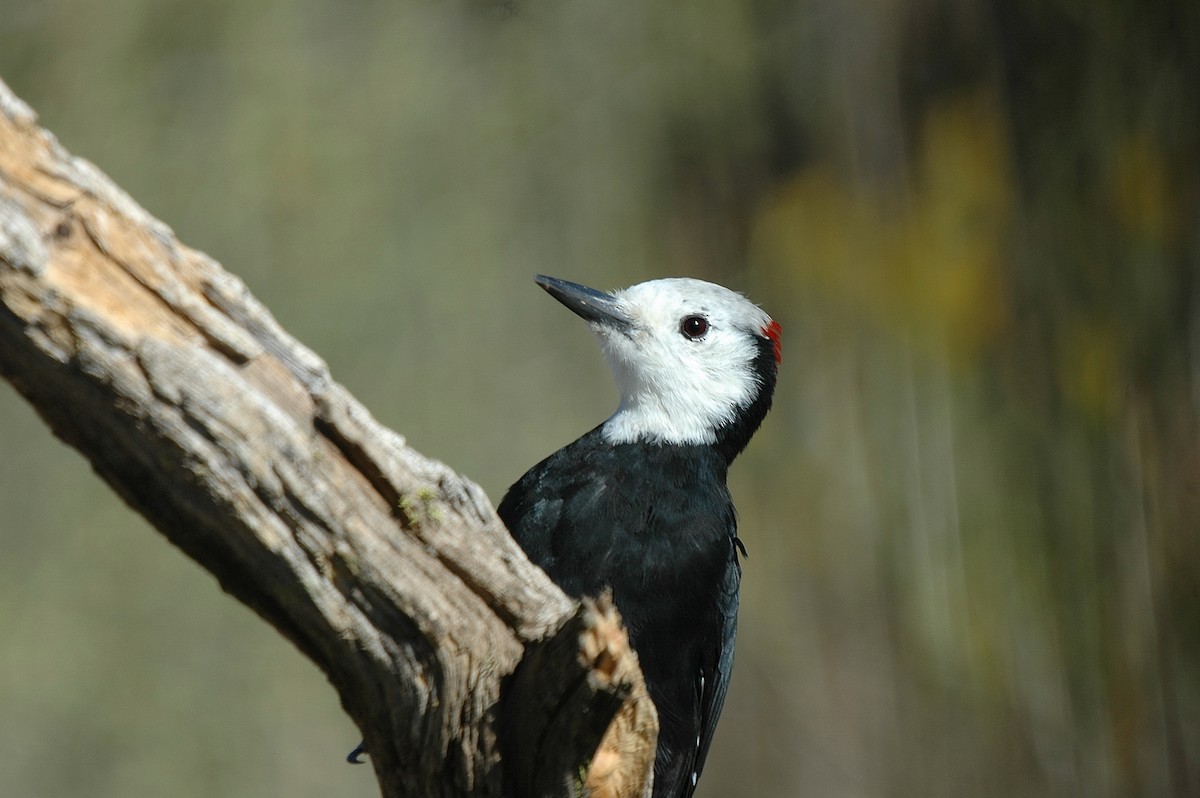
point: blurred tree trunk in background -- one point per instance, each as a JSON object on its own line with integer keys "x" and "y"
{"x": 1012, "y": 192}
{"x": 388, "y": 570}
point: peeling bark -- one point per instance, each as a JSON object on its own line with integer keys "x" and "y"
{"x": 387, "y": 569}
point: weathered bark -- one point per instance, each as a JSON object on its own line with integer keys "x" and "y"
{"x": 387, "y": 569}
{"x": 578, "y": 706}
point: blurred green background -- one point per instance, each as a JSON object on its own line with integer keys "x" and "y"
{"x": 972, "y": 517}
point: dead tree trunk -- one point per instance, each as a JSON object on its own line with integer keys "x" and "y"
{"x": 387, "y": 569}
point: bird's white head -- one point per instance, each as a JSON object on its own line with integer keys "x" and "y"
{"x": 695, "y": 362}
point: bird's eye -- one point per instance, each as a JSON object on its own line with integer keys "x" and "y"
{"x": 694, "y": 327}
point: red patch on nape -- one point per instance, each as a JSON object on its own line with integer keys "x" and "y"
{"x": 775, "y": 333}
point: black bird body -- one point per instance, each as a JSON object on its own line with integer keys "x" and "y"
{"x": 639, "y": 505}
{"x": 669, "y": 556}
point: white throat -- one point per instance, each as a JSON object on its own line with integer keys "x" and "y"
{"x": 655, "y": 424}
{"x": 675, "y": 400}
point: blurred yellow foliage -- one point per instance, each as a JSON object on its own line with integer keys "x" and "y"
{"x": 924, "y": 259}
{"x": 1140, "y": 186}
{"x": 1090, "y": 369}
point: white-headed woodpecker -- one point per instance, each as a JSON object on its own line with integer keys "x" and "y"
{"x": 639, "y": 505}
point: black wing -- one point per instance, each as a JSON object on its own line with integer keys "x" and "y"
{"x": 714, "y": 677}
{"x": 654, "y": 524}
{"x": 552, "y": 513}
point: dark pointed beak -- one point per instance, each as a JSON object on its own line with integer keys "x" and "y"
{"x": 594, "y": 306}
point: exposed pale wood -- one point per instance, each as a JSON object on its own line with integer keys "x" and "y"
{"x": 386, "y": 568}
{"x": 566, "y": 710}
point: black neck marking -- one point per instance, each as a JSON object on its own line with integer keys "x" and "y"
{"x": 733, "y": 435}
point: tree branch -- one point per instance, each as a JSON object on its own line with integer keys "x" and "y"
{"x": 387, "y": 569}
